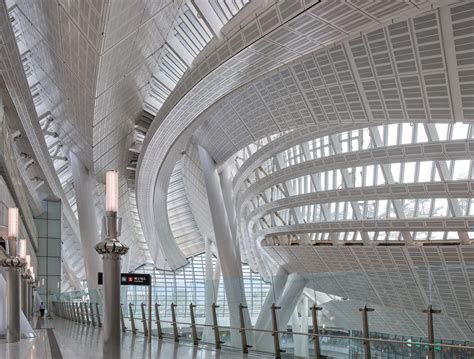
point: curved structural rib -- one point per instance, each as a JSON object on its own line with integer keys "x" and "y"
{"x": 251, "y": 51}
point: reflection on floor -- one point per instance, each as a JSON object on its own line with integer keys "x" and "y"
{"x": 80, "y": 341}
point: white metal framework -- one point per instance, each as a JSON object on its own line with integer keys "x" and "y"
{"x": 337, "y": 129}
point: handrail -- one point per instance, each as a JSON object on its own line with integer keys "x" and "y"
{"x": 282, "y": 332}
{"x": 320, "y": 335}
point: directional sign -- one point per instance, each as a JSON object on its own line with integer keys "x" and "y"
{"x": 130, "y": 279}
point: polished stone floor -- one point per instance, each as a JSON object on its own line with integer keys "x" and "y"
{"x": 79, "y": 341}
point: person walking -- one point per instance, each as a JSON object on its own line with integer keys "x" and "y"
{"x": 42, "y": 308}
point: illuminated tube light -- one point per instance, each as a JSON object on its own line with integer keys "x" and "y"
{"x": 13, "y": 222}
{"x": 111, "y": 191}
{"x": 22, "y": 249}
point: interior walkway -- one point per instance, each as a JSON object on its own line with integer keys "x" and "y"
{"x": 61, "y": 338}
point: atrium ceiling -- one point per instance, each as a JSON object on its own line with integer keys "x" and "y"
{"x": 340, "y": 122}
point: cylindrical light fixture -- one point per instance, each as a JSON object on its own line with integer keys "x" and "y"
{"x": 22, "y": 250}
{"x": 111, "y": 191}
{"x": 13, "y": 222}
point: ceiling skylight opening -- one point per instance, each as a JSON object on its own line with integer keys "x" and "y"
{"x": 227, "y": 9}
{"x": 27, "y": 64}
{"x": 192, "y": 32}
{"x": 172, "y": 65}
{"x": 16, "y": 26}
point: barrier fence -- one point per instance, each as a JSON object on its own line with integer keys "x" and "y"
{"x": 321, "y": 343}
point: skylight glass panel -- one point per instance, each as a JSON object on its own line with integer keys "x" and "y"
{"x": 442, "y": 129}
{"x": 437, "y": 236}
{"x": 369, "y": 175}
{"x": 461, "y": 169}
{"x": 452, "y": 235}
{"x": 192, "y": 32}
{"x": 440, "y": 207}
{"x": 407, "y": 133}
{"x": 424, "y": 174}
{"x": 391, "y": 134}
{"x": 421, "y": 236}
{"x": 395, "y": 168}
{"x": 409, "y": 172}
{"x": 424, "y": 207}
{"x": 421, "y": 134}
{"x": 463, "y": 205}
{"x": 382, "y": 209}
{"x": 460, "y": 131}
{"x": 226, "y": 9}
{"x": 379, "y": 175}
{"x": 393, "y": 236}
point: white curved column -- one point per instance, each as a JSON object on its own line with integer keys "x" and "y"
{"x": 228, "y": 195}
{"x": 287, "y": 301}
{"x": 299, "y": 324}
{"x": 89, "y": 228}
{"x": 226, "y": 246}
{"x": 211, "y": 290}
{"x": 274, "y": 294}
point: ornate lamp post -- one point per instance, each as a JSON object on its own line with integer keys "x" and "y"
{"x": 14, "y": 265}
{"x": 111, "y": 250}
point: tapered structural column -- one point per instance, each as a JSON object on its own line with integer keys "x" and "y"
{"x": 14, "y": 265}
{"x": 228, "y": 253}
{"x": 211, "y": 288}
{"x": 31, "y": 302}
{"x": 264, "y": 320}
{"x": 28, "y": 299}
{"x": 13, "y": 304}
{"x": 287, "y": 301}
{"x": 23, "y": 293}
{"x": 85, "y": 199}
{"x": 299, "y": 323}
{"x": 111, "y": 250}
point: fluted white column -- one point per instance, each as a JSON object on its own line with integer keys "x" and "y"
{"x": 264, "y": 320}
{"x": 287, "y": 300}
{"x": 211, "y": 288}
{"x": 84, "y": 187}
{"x": 226, "y": 247}
{"x": 299, "y": 323}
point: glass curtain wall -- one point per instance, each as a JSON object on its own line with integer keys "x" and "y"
{"x": 49, "y": 251}
{"x": 187, "y": 285}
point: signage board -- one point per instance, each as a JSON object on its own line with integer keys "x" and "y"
{"x": 130, "y": 279}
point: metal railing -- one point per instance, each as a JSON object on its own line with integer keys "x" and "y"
{"x": 89, "y": 314}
